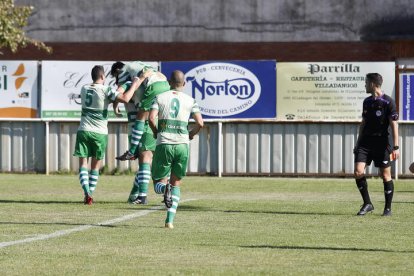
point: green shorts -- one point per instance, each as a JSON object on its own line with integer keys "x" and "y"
{"x": 151, "y": 92}
{"x": 147, "y": 142}
{"x": 90, "y": 144}
{"x": 168, "y": 158}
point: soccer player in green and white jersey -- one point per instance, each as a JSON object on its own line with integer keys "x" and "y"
{"x": 144, "y": 152}
{"x": 142, "y": 142}
{"x": 92, "y": 134}
{"x": 154, "y": 84}
{"x": 173, "y": 109}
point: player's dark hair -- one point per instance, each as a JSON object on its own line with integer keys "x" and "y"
{"x": 97, "y": 72}
{"x": 176, "y": 78}
{"x": 116, "y": 67}
{"x": 374, "y": 78}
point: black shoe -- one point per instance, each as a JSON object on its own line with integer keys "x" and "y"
{"x": 141, "y": 200}
{"x": 387, "y": 212}
{"x": 168, "y": 196}
{"x": 366, "y": 208}
{"x": 126, "y": 156}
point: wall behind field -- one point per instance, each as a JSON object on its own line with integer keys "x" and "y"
{"x": 285, "y": 30}
{"x": 219, "y": 20}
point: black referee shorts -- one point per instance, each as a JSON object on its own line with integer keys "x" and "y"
{"x": 374, "y": 148}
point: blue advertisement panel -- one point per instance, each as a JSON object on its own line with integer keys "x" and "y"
{"x": 230, "y": 89}
{"x": 407, "y": 96}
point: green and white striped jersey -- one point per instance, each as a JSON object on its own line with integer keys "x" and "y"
{"x": 132, "y": 105}
{"x": 95, "y": 100}
{"x": 174, "y": 110}
{"x": 132, "y": 69}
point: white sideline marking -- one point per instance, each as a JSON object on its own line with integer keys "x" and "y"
{"x": 60, "y": 233}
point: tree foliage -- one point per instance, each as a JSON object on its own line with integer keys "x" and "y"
{"x": 12, "y": 21}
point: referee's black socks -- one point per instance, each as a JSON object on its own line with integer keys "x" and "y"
{"x": 363, "y": 189}
{"x": 388, "y": 193}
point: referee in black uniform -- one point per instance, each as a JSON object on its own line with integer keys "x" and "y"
{"x": 379, "y": 114}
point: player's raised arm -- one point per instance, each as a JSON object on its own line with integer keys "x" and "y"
{"x": 126, "y": 96}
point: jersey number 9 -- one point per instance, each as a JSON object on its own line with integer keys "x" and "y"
{"x": 174, "y": 108}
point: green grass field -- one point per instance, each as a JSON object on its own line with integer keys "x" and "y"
{"x": 223, "y": 226}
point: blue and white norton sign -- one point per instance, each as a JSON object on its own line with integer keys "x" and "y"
{"x": 230, "y": 89}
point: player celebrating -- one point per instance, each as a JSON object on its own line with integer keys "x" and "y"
{"x": 142, "y": 142}
{"x": 155, "y": 83}
{"x": 144, "y": 152}
{"x": 92, "y": 134}
{"x": 379, "y": 113}
{"x": 173, "y": 109}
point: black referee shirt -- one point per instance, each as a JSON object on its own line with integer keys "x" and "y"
{"x": 376, "y": 113}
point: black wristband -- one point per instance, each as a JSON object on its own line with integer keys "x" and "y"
{"x": 396, "y": 148}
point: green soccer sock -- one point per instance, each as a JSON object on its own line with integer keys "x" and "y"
{"x": 144, "y": 176}
{"x": 93, "y": 180}
{"x": 136, "y": 153}
{"x": 159, "y": 188}
{"x": 175, "y": 191}
{"x": 136, "y": 135}
{"x": 83, "y": 180}
{"x": 135, "y": 188}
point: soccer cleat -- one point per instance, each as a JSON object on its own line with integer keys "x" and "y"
{"x": 387, "y": 212}
{"x": 126, "y": 156}
{"x": 366, "y": 208}
{"x": 169, "y": 225}
{"x": 141, "y": 200}
{"x": 131, "y": 199}
{"x": 88, "y": 200}
{"x": 168, "y": 196}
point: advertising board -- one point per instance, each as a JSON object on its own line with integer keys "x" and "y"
{"x": 230, "y": 89}
{"x": 18, "y": 89}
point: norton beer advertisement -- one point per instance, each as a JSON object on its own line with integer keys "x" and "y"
{"x": 230, "y": 89}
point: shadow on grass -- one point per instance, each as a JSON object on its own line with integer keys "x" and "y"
{"x": 189, "y": 208}
{"x": 286, "y": 213}
{"x": 327, "y": 248}
{"x": 196, "y": 208}
{"x": 79, "y": 202}
{"x": 55, "y": 223}
{"x": 403, "y": 202}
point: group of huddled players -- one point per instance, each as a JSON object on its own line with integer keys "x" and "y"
{"x": 158, "y": 114}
